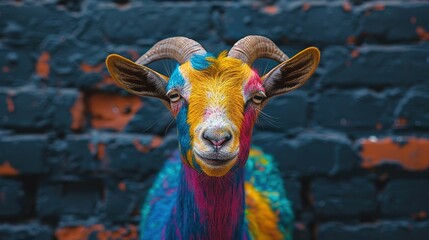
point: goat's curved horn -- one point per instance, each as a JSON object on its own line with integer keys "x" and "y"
{"x": 250, "y": 48}
{"x": 178, "y": 48}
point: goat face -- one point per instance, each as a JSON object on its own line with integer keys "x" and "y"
{"x": 215, "y": 100}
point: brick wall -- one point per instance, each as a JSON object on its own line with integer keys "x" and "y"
{"x": 77, "y": 154}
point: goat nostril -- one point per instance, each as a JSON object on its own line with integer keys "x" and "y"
{"x": 227, "y": 137}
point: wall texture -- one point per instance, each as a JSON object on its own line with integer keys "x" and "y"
{"x": 77, "y": 154}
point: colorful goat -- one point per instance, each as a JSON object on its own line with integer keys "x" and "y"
{"x": 215, "y": 186}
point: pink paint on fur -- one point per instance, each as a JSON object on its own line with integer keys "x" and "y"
{"x": 246, "y": 134}
{"x": 175, "y": 108}
{"x": 219, "y": 200}
{"x": 254, "y": 84}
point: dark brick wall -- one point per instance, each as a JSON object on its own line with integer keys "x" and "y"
{"x": 77, "y": 154}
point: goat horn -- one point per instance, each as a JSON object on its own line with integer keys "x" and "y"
{"x": 178, "y": 48}
{"x": 250, "y": 48}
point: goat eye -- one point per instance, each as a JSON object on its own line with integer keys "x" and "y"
{"x": 174, "y": 96}
{"x": 258, "y": 98}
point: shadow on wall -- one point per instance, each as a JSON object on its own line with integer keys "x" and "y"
{"x": 77, "y": 154}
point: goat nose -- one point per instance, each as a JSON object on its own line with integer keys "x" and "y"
{"x": 216, "y": 138}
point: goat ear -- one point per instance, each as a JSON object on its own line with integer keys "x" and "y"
{"x": 292, "y": 73}
{"x": 137, "y": 79}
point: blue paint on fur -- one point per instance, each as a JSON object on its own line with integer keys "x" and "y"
{"x": 185, "y": 214}
{"x": 199, "y": 62}
{"x": 161, "y": 199}
{"x": 176, "y": 79}
{"x": 183, "y": 134}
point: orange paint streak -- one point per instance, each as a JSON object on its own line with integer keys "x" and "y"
{"x": 98, "y": 230}
{"x": 401, "y": 122}
{"x": 422, "y": 33}
{"x": 271, "y": 10}
{"x": 77, "y": 112}
{"x": 379, "y": 7}
{"x": 412, "y": 155}
{"x": 347, "y": 7}
{"x": 122, "y": 186}
{"x": 378, "y": 126}
{"x": 86, "y": 68}
{"x": 101, "y": 151}
{"x": 10, "y": 104}
{"x": 351, "y": 40}
{"x": 69, "y": 233}
{"x": 42, "y": 66}
{"x": 134, "y": 55}
{"x": 355, "y": 53}
{"x": 155, "y": 142}
{"x": 306, "y": 7}
{"x": 7, "y": 170}
{"x": 420, "y": 215}
{"x": 112, "y": 111}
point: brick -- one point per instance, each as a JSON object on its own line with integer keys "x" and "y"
{"x": 392, "y": 230}
{"x": 411, "y": 111}
{"x": 375, "y": 66}
{"x": 344, "y": 198}
{"x": 309, "y": 154}
{"x": 25, "y": 108}
{"x": 16, "y": 66}
{"x": 356, "y": 110}
{"x": 393, "y": 21}
{"x": 30, "y": 24}
{"x": 286, "y": 113}
{"x": 159, "y": 21}
{"x": 405, "y": 198}
{"x": 295, "y": 22}
{"x": 124, "y": 198}
{"x": 23, "y": 154}
{"x": 77, "y": 154}
{"x": 410, "y": 153}
{"x": 142, "y": 154}
{"x": 73, "y": 64}
{"x": 69, "y": 111}
{"x": 25, "y": 231}
{"x": 12, "y": 198}
{"x": 152, "y": 117}
{"x": 68, "y": 198}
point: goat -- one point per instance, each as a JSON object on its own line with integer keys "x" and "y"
{"x": 215, "y": 186}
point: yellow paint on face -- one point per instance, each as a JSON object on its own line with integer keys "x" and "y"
{"x": 218, "y": 87}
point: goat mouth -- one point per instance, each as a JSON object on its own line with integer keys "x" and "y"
{"x": 215, "y": 161}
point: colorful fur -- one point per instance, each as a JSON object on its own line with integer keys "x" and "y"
{"x": 267, "y": 212}
{"x": 186, "y": 204}
{"x": 215, "y": 186}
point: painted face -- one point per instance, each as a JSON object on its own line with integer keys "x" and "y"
{"x": 215, "y": 102}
